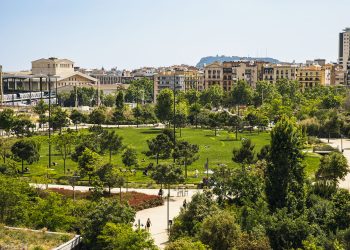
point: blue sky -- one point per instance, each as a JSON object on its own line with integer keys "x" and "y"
{"x": 134, "y": 33}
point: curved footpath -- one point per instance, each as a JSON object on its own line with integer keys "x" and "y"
{"x": 157, "y": 215}
{"x": 336, "y": 143}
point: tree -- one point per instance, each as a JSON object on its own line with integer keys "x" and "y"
{"x": 59, "y": 119}
{"x": 167, "y": 174}
{"x": 164, "y": 106}
{"x": 253, "y": 119}
{"x": 26, "y": 150}
{"x": 52, "y": 212}
{"x": 108, "y": 100}
{"x": 40, "y": 109}
{"x": 219, "y": 231}
{"x": 185, "y": 243}
{"x": 77, "y": 118}
{"x": 244, "y": 155}
{"x": 285, "y": 172}
{"x": 332, "y": 168}
{"x": 235, "y": 122}
{"x": 119, "y": 101}
{"x": 137, "y": 112}
{"x": 5, "y": 148}
{"x": 14, "y": 200}
{"x": 22, "y": 126}
{"x": 122, "y": 236}
{"x": 110, "y": 177}
{"x": 332, "y": 125}
{"x": 88, "y": 163}
{"x": 63, "y": 144}
{"x": 241, "y": 94}
{"x": 185, "y": 153}
{"x": 140, "y": 89}
{"x": 214, "y": 121}
{"x": 129, "y": 158}
{"x": 188, "y": 222}
{"x": 212, "y": 96}
{"x": 111, "y": 142}
{"x": 181, "y": 114}
{"x": 160, "y": 147}
{"x": 6, "y": 119}
{"x": 99, "y": 215}
{"x": 192, "y": 96}
{"x": 98, "y": 116}
{"x": 239, "y": 186}
{"x": 195, "y": 109}
{"x": 147, "y": 113}
{"x": 118, "y": 116}
{"x": 286, "y": 232}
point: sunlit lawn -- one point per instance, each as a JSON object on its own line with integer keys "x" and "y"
{"x": 218, "y": 150}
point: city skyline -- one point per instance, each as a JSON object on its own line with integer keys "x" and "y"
{"x": 162, "y": 33}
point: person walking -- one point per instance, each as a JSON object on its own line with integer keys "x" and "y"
{"x": 184, "y": 204}
{"x": 160, "y": 193}
{"x": 148, "y": 224}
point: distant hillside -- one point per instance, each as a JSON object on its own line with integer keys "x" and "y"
{"x": 210, "y": 59}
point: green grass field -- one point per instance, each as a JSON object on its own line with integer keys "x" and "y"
{"x": 218, "y": 150}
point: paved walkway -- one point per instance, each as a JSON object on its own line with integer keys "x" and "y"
{"x": 336, "y": 143}
{"x": 157, "y": 215}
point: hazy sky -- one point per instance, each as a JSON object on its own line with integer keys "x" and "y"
{"x": 134, "y": 33}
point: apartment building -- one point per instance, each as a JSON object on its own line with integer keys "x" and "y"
{"x": 213, "y": 75}
{"x": 227, "y": 74}
{"x": 311, "y": 76}
{"x": 344, "y": 53}
{"x": 184, "y": 79}
{"x": 274, "y": 72}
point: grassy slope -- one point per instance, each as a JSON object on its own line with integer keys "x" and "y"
{"x": 217, "y": 149}
{"x": 18, "y": 239}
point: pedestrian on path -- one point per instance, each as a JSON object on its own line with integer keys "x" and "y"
{"x": 184, "y": 204}
{"x": 148, "y": 224}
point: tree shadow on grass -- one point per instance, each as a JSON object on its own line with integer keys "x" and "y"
{"x": 152, "y": 131}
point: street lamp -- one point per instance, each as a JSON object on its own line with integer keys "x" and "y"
{"x": 174, "y": 142}
{"x": 72, "y": 183}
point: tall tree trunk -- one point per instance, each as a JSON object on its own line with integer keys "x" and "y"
{"x": 185, "y": 169}
{"x": 157, "y": 157}
{"x": 64, "y": 165}
{"x": 196, "y": 121}
{"x": 120, "y": 194}
{"x": 22, "y": 166}
{"x": 236, "y": 132}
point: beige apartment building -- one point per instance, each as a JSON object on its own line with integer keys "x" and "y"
{"x": 311, "y": 76}
{"x": 227, "y": 74}
{"x": 184, "y": 80}
{"x": 274, "y": 72}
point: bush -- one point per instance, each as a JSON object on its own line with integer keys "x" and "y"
{"x": 185, "y": 244}
{"x": 324, "y": 147}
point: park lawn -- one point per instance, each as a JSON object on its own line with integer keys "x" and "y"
{"x": 217, "y": 149}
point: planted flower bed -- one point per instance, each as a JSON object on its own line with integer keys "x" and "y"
{"x": 136, "y": 200}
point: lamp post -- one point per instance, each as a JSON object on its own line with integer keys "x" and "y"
{"x": 49, "y": 121}
{"x": 174, "y": 144}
